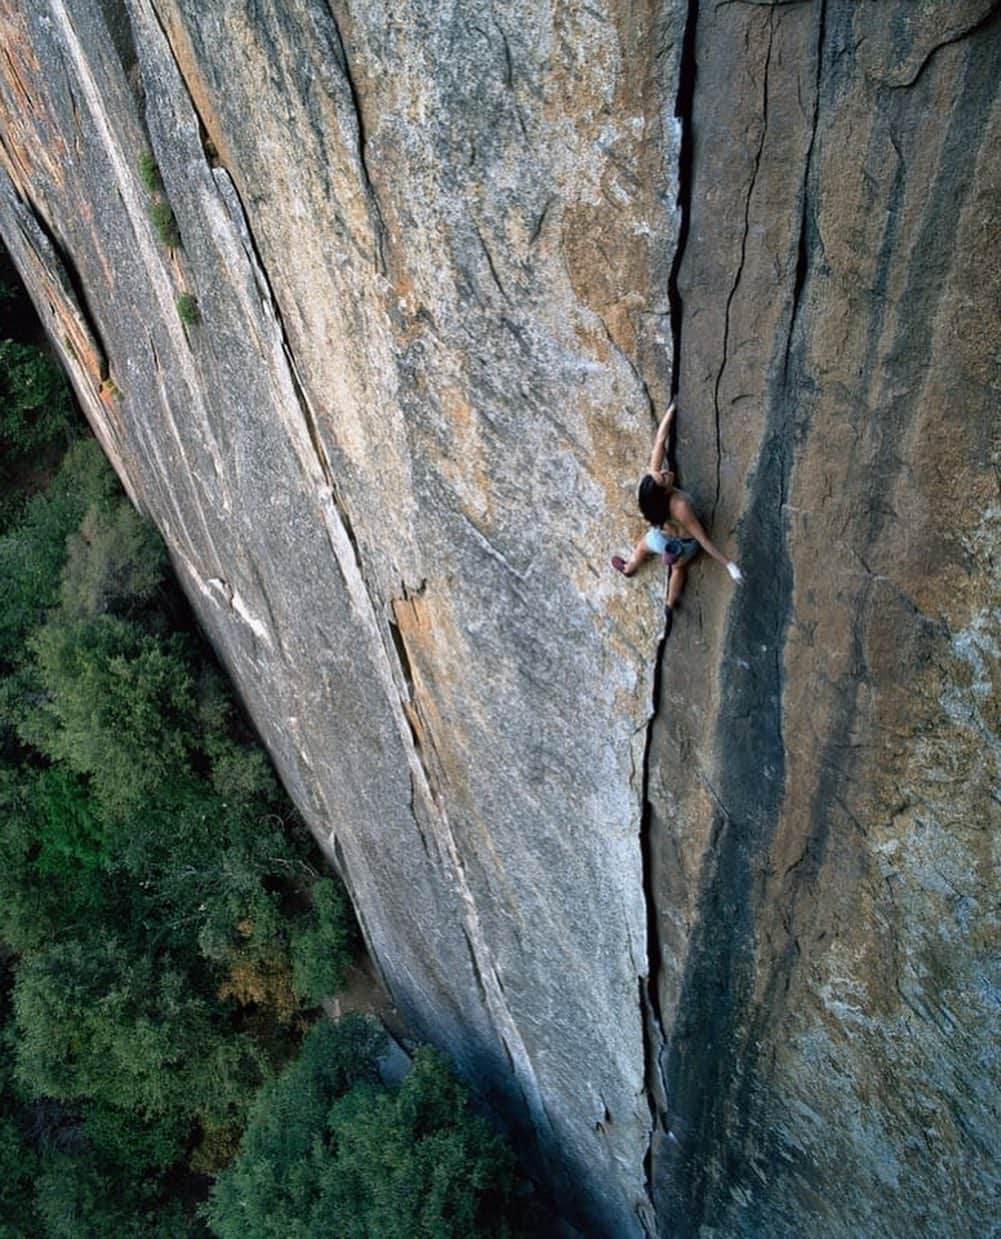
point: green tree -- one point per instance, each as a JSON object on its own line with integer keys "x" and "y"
{"x": 73, "y": 837}
{"x": 134, "y": 1142}
{"x": 415, "y": 1163}
{"x": 118, "y": 707}
{"x": 35, "y": 401}
{"x": 79, "y": 1196}
{"x": 18, "y": 1161}
{"x": 273, "y": 1187}
{"x": 328, "y": 1150}
{"x": 169, "y": 926}
{"x": 115, "y": 562}
{"x": 322, "y": 942}
{"x": 97, "y": 1021}
{"x": 37, "y": 906}
{"x": 33, "y": 553}
{"x": 18, "y": 1171}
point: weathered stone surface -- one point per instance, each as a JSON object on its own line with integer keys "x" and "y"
{"x": 389, "y": 462}
{"x": 825, "y": 768}
{"x": 432, "y": 248}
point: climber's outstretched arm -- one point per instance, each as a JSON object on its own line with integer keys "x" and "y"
{"x": 683, "y": 512}
{"x": 660, "y": 440}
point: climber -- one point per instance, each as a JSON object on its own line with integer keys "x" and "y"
{"x": 675, "y": 533}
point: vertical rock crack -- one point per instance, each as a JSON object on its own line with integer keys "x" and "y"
{"x": 803, "y": 247}
{"x": 743, "y": 251}
{"x": 687, "y": 73}
{"x": 653, "y": 1029}
{"x": 379, "y": 226}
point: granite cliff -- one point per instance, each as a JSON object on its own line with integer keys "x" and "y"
{"x": 374, "y": 308}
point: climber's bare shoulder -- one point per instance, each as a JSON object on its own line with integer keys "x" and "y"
{"x": 682, "y": 512}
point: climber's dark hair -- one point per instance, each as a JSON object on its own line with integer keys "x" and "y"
{"x": 654, "y": 501}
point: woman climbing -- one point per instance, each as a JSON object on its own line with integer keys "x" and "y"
{"x": 675, "y": 533}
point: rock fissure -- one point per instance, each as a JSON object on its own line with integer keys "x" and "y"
{"x": 711, "y": 1062}
{"x": 379, "y": 226}
{"x": 653, "y": 1028}
{"x": 687, "y": 75}
{"x": 74, "y": 101}
{"x": 508, "y": 59}
{"x": 404, "y": 658}
{"x": 414, "y": 814}
{"x": 735, "y": 283}
{"x": 37, "y": 253}
{"x": 490, "y": 262}
{"x": 649, "y": 998}
{"x": 540, "y": 222}
{"x": 73, "y": 289}
{"x": 630, "y": 361}
{"x": 805, "y": 218}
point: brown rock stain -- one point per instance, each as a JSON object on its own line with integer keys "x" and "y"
{"x": 434, "y": 645}
{"x": 466, "y": 468}
{"x": 79, "y": 343}
{"x": 24, "y": 112}
{"x": 198, "y": 88}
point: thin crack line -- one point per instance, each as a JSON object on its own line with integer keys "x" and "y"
{"x": 652, "y": 1015}
{"x": 743, "y": 254}
{"x": 362, "y": 145}
{"x": 802, "y": 255}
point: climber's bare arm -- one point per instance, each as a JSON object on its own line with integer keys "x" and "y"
{"x": 684, "y": 514}
{"x": 660, "y": 441}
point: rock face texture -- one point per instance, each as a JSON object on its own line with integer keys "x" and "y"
{"x": 825, "y": 764}
{"x": 730, "y": 967}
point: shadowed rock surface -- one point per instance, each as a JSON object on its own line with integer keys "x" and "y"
{"x": 825, "y": 777}
{"x": 733, "y": 975}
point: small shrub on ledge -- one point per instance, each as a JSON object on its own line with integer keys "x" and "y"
{"x": 149, "y": 173}
{"x": 159, "y": 209}
{"x": 165, "y": 224}
{"x": 187, "y": 310}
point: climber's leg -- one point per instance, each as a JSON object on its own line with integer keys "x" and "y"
{"x": 640, "y": 552}
{"x": 676, "y": 584}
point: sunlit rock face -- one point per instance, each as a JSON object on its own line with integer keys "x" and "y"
{"x": 430, "y": 248}
{"x": 732, "y": 971}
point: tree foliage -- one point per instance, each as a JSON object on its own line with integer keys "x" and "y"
{"x": 35, "y": 402}
{"x": 323, "y": 944}
{"x": 116, "y": 708}
{"x": 97, "y": 1020}
{"x": 330, "y": 1151}
{"x": 152, "y": 889}
{"x": 33, "y": 552}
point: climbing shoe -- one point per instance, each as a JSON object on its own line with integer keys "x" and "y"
{"x": 619, "y": 564}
